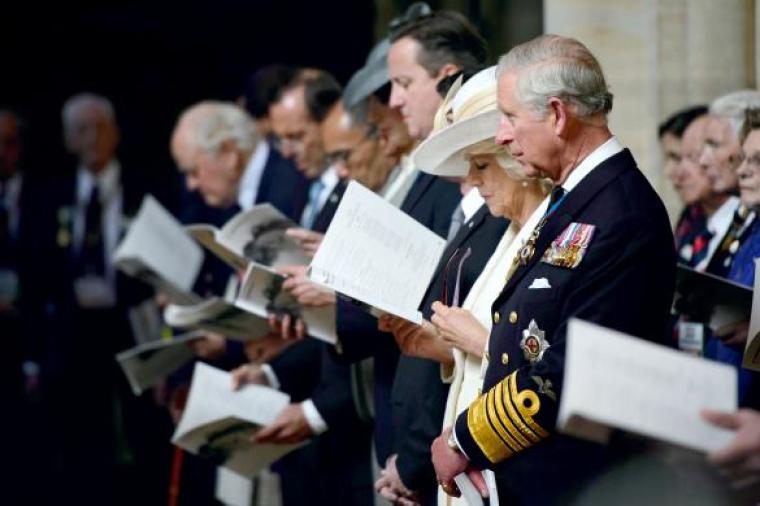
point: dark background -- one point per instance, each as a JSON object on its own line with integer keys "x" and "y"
{"x": 154, "y": 58}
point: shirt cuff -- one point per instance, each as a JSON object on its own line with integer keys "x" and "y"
{"x": 270, "y": 376}
{"x": 316, "y": 423}
{"x": 454, "y": 438}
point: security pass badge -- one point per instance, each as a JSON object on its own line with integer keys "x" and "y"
{"x": 533, "y": 343}
{"x": 568, "y": 248}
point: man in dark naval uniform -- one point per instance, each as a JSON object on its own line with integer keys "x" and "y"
{"x": 603, "y": 252}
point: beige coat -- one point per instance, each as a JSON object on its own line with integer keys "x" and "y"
{"x": 466, "y": 377}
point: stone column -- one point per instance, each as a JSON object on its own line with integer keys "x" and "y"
{"x": 660, "y": 56}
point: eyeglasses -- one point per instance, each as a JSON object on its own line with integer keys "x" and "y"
{"x": 341, "y": 156}
{"x": 445, "y": 289}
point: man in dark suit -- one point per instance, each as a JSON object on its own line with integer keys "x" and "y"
{"x": 581, "y": 261}
{"x": 78, "y": 306}
{"x": 280, "y": 183}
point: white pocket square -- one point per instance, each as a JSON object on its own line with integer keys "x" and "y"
{"x": 539, "y": 283}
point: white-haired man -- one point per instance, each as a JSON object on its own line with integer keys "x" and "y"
{"x": 555, "y": 101}
{"x": 77, "y": 308}
{"x": 212, "y": 144}
{"x": 720, "y": 158}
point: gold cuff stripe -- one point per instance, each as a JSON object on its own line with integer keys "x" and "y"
{"x": 487, "y": 440}
{"x": 526, "y": 412}
{"x": 513, "y": 416}
{"x": 516, "y": 444}
{"x": 506, "y": 419}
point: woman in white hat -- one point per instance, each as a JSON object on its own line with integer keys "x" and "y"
{"x": 463, "y": 145}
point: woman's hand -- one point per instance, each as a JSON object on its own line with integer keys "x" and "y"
{"x": 459, "y": 328}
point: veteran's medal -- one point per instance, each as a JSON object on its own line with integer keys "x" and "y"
{"x": 533, "y": 343}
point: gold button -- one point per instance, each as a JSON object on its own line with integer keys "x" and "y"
{"x": 513, "y": 317}
{"x": 487, "y": 356}
{"x": 496, "y": 317}
{"x": 504, "y": 358}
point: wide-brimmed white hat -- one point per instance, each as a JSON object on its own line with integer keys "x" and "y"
{"x": 468, "y": 115}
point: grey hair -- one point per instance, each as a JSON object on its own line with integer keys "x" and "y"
{"x": 555, "y": 66}
{"x": 733, "y": 106}
{"x": 506, "y": 162}
{"x": 75, "y": 104}
{"x": 212, "y": 123}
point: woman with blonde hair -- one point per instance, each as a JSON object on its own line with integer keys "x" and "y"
{"x": 465, "y": 147}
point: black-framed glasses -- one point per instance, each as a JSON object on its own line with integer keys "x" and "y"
{"x": 341, "y": 156}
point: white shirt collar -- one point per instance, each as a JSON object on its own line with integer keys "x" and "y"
{"x": 470, "y": 203}
{"x": 607, "y": 150}
{"x": 251, "y": 180}
{"x": 330, "y": 178}
{"x": 107, "y": 181}
{"x": 720, "y": 220}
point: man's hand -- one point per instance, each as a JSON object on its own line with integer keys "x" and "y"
{"x": 261, "y": 351}
{"x": 741, "y": 458}
{"x": 734, "y": 335}
{"x": 416, "y": 340}
{"x": 308, "y": 240}
{"x": 300, "y": 286}
{"x": 460, "y": 328}
{"x": 392, "y": 488}
{"x": 287, "y": 327}
{"x": 449, "y": 463}
{"x": 289, "y": 427}
{"x": 210, "y": 346}
{"x": 248, "y": 374}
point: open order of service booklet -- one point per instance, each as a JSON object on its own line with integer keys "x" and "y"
{"x": 256, "y": 235}
{"x": 245, "y": 316}
{"x": 377, "y": 254}
{"x": 157, "y": 250}
{"x": 218, "y": 423}
{"x": 148, "y": 363}
{"x": 615, "y": 381}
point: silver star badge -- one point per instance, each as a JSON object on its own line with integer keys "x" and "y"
{"x": 533, "y": 343}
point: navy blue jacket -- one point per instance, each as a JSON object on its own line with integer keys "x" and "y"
{"x": 625, "y": 281}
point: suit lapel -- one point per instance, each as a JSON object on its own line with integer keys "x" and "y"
{"x": 419, "y": 188}
{"x": 573, "y": 204}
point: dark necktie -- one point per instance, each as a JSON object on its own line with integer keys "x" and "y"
{"x": 700, "y": 246}
{"x": 91, "y": 261}
{"x": 720, "y": 263}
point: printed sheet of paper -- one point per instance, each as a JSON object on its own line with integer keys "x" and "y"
{"x": 157, "y": 249}
{"x": 377, "y": 254}
{"x": 256, "y": 235}
{"x": 217, "y": 315}
{"x": 147, "y": 364}
{"x": 729, "y": 302}
{"x": 752, "y": 349}
{"x": 262, "y": 294}
{"x": 614, "y": 381}
{"x": 218, "y": 423}
{"x": 233, "y": 489}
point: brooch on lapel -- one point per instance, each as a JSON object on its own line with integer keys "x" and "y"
{"x": 533, "y": 343}
{"x": 568, "y": 248}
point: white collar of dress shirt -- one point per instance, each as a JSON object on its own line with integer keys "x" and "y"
{"x": 720, "y": 220}
{"x": 471, "y": 202}
{"x": 610, "y": 148}
{"x": 107, "y": 181}
{"x": 330, "y": 178}
{"x": 251, "y": 180}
